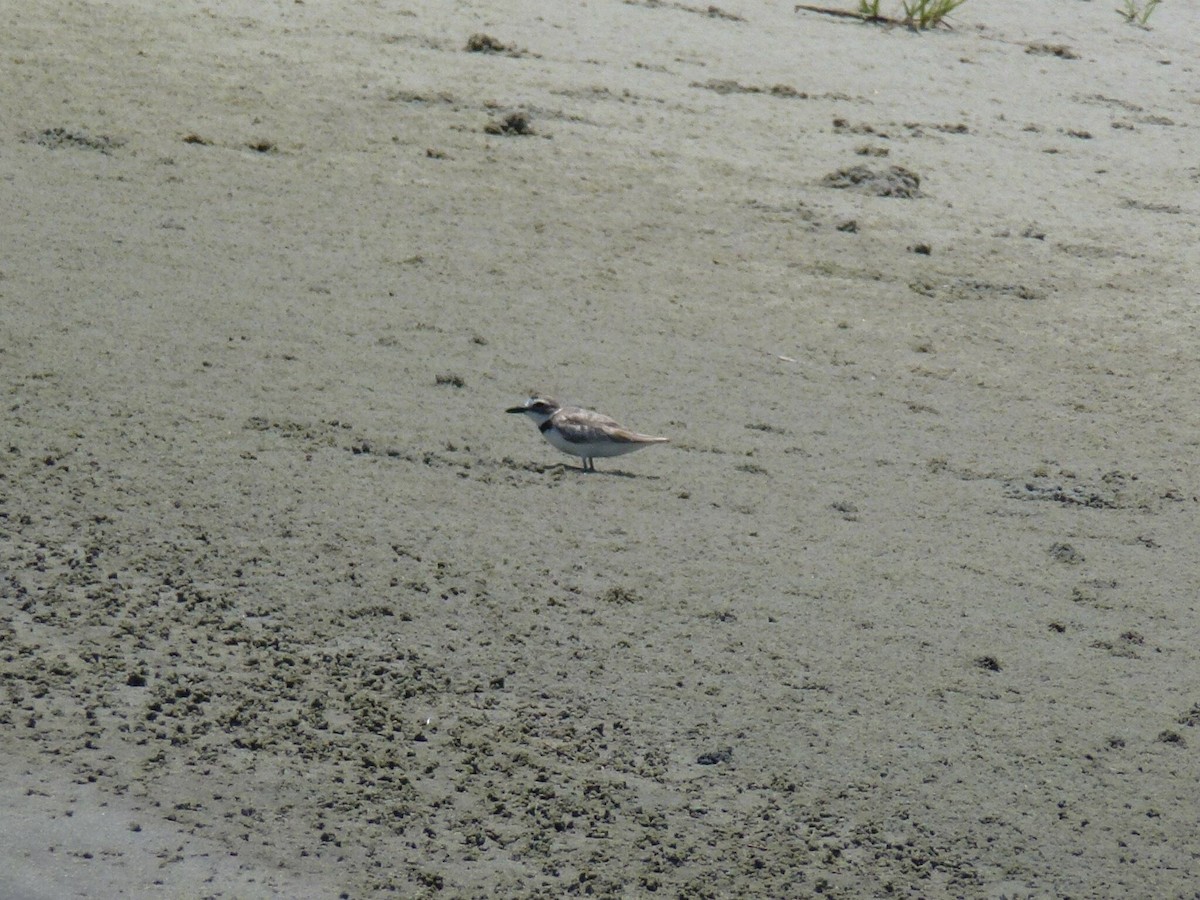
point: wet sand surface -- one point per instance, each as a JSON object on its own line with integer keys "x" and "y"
{"x": 290, "y": 607}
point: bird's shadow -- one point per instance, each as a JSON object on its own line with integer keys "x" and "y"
{"x": 611, "y": 473}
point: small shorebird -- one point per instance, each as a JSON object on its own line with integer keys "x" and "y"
{"x": 581, "y": 432}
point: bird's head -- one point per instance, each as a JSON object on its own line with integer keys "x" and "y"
{"x": 537, "y": 408}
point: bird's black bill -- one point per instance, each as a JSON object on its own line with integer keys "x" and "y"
{"x": 516, "y": 409}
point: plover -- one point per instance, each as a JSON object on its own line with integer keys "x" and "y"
{"x": 581, "y": 432}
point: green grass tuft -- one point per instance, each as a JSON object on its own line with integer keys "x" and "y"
{"x": 930, "y": 13}
{"x": 1138, "y": 14}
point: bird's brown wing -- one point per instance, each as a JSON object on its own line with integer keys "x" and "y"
{"x": 582, "y": 425}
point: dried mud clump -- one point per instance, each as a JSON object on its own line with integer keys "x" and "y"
{"x": 1065, "y": 553}
{"x": 715, "y": 12}
{"x": 516, "y": 123}
{"x": 1191, "y": 718}
{"x": 895, "y": 181}
{"x": 1062, "y": 51}
{"x": 621, "y": 596}
{"x": 58, "y": 138}
{"x": 485, "y": 43}
{"x": 729, "y": 86}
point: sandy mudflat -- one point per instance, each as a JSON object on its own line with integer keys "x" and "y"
{"x": 290, "y": 608}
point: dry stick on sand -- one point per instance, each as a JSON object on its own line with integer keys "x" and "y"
{"x": 847, "y": 14}
{"x": 919, "y": 15}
